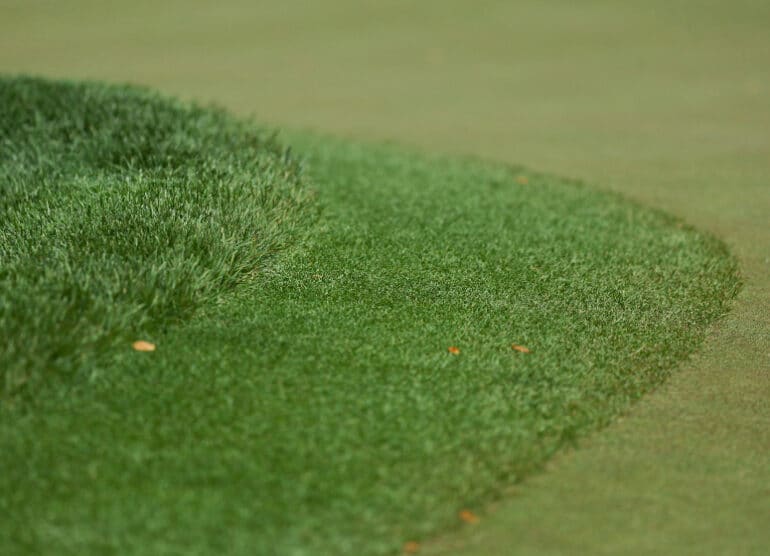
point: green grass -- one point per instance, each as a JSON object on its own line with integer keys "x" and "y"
{"x": 664, "y": 102}
{"x": 121, "y": 214}
{"x": 313, "y": 407}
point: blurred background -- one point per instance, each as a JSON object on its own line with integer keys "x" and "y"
{"x": 651, "y": 97}
{"x": 667, "y": 102}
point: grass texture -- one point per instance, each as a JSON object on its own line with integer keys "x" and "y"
{"x": 315, "y": 408}
{"x": 120, "y": 213}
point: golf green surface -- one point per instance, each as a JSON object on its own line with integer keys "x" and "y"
{"x": 665, "y": 102}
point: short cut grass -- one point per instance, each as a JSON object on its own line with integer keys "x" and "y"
{"x": 316, "y": 408}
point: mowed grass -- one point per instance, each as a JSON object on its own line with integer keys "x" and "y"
{"x": 312, "y": 406}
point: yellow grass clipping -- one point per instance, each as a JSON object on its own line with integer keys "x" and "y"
{"x": 141, "y": 345}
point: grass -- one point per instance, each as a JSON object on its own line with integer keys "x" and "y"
{"x": 313, "y": 407}
{"x": 663, "y": 102}
{"x": 121, "y": 214}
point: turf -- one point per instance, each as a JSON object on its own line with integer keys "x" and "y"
{"x": 664, "y": 102}
{"x": 120, "y": 215}
{"x": 313, "y": 407}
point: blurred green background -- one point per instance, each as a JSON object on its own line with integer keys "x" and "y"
{"x": 666, "y": 102}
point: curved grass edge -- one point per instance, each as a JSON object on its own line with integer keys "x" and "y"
{"x": 726, "y": 281}
{"x": 385, "y": 157}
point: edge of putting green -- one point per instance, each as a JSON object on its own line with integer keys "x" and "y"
{"x": 570, "y": 489}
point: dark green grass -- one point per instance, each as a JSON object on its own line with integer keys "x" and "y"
{"x": 315, "y": 409}
{"x": 120, "y": 213}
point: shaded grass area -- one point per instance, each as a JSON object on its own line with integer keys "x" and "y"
{"x": 316, "y": 409}
{"x": 120, "y": 213}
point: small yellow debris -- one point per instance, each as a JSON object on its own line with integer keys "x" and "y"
{"x": 454, "y": 350}
{"x": 141, "y": 345}
{"x": 468, "y": 516}
{"x": 520, "y": 349}
{"x": 411, "y": 547}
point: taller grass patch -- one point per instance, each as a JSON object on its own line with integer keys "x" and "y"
{"x": 121, "y": 212}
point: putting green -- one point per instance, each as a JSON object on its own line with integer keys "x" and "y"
{"x": 680, "y": 123}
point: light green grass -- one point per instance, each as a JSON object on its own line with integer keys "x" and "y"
{"x": 314, "y": 408}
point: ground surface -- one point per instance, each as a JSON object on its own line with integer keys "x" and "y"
{"x": 666, "y": 102}
{"x": 309, "y": 402}
{"x": 122, "y": 213}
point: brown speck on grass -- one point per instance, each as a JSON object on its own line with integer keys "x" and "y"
{"x": 468, "y": 516}
{"x": 411, "y": 547}
{"x": 141, "y": 345}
